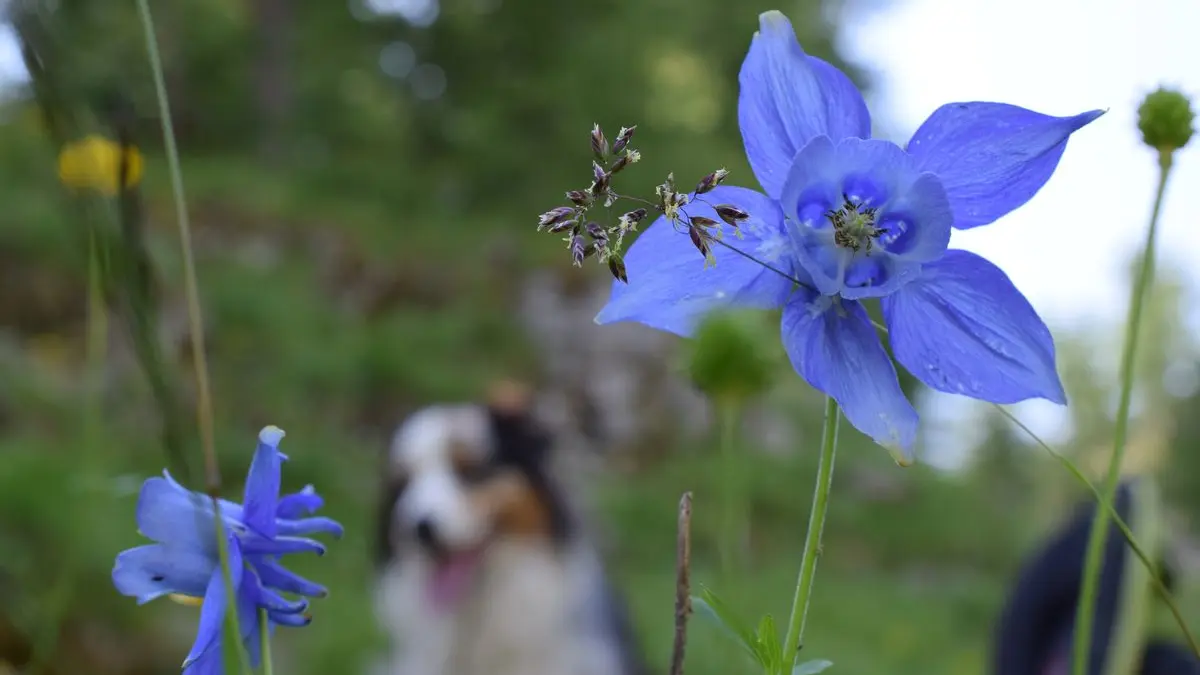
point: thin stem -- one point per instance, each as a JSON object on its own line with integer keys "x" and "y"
{"x": 264, "y": 631}
{"x": 204, "y": 415}
{"x": 729, "y": 411}
{"x": 1084, "y": 616}
{"x": 683, "y": 583}
{"x": 793, "y": 640}
{"x": 1155, "y": 576}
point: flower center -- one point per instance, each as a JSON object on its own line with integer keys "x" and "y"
{"x": 854, "y": 225}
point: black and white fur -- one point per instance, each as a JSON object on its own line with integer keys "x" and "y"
{"x": 476, "y": 478}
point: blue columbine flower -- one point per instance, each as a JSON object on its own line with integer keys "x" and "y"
{"x": 184, "y": 560}
{"x": 853, "y": 218}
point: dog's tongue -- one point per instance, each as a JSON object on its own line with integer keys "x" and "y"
{"x": 451, "y": 576}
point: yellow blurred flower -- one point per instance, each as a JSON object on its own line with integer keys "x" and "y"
{"x": 94, "y": 163}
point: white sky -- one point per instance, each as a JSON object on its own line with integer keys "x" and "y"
{"x": 1068, "y": 247}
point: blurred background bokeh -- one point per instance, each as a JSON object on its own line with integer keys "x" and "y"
{"x": 363, "y": 180}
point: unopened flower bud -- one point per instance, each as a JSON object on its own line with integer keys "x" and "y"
{"x": 707, "y": 223}
{"x": 700, "y": 240}
{"x": 579, "y": 197}
{"x": 731, "y": 214}
{"x": 732, "y": 357}
{"x": 555, "y": 215}
{"x": 616, "y": 266}
{"x": 1165, "y": 119}
{"x": 599, "y": 143}
{"x": 578, "y": 249}
{"x": 623, "y": 138}
{"x": 711, "y": 181}
{"x": 595, "y": 231}
{"x": 625, "y": 160}
{"x": 562, "y": 226}
{"x": 602, "y": 179}
{"x": 630, "y": 220}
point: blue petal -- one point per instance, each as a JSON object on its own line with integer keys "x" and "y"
{"x": 992, "y": 157}
{"x": 305, "y": 526}
{"x": 169, "y": 513}
{"x": 211, "y": 662}
{"x": 262, "y": 483}
{"x": 148, "y": 572}
{"x": 216, "y": 600}
{"x": 299, "y": 504}
{"x": 912, "y": 207}
{"x": 963, "y": 328}
{"x": 291, "y": 620}
{"x": 274, "y": 575}
{"x": 264, "y": 597}
{"x": 671, "y": 289}
{"x": 787, "y": 98}
{"x": 255, "y": 545}
{"x": 833, "y": 346}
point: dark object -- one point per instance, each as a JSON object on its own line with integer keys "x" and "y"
{"x": 1036, "y": 630}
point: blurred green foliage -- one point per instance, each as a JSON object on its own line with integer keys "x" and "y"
{"x": 360, "y": 252}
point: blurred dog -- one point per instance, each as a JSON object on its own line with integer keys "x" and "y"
{"x": 483, "y": 567}
{"x": 1036, "y": 631}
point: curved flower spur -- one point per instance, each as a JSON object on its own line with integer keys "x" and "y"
{"x": 846, "y": 218}
{"x": 184, "y": 561}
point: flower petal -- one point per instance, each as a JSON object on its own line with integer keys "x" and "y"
{"x": 216, "y": 600}
{"x": 148, "y": 572}
{"x": 992, "y": 157}
{"x": 255, "y": 545}
{"x": 274, "y": 575}
{"x": 833, "y": 346}
{"x": 963, "y": 328}
{"x": 671, "y": 289}
{"x": 912, "y": 208}
{"x": 305, "y": 526}
{"x": 171, "y": 514}
{"x": 299, "y": 504}
{"x": 262, "y": 483}
{"x": 291, "y": 620}
{"x": 787, "y": 98}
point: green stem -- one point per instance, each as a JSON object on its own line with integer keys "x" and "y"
{"x": 729, "y": 411}
{"x": 204, "y": 413}
{"x": 1084, "y": 615}
{"x": 265, "y": 635}
{"x": 812, "y": 541}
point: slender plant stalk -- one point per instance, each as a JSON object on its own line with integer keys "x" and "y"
{"x": 729, "y": 412}
{"x": 812, "y": 541}
{"x": 204, "y": 414}
{"x": 1084, "y": 616}
{"x": 1138, "y": 550}
{"x": 264, "y": 633}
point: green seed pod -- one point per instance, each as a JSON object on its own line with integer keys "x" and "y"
{"x": 732, "y": 357}
{"x": 1165, "y": 119}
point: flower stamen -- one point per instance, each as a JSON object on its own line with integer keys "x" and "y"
{"x": 854, "y": 225}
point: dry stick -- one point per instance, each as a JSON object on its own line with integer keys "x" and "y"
{"x": 683, "y": 583}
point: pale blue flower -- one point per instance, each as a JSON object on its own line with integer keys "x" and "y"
{"x": 853, "y": 218}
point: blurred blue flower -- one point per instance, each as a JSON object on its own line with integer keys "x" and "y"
{"x": 852, "y": 218}
{"x": 184, "y": 561}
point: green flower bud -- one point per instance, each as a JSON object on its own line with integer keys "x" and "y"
{"x": 732, "y": 357}
{"x": 1165, "y": 120}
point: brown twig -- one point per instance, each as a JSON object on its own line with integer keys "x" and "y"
{"x": 683, "y": 583}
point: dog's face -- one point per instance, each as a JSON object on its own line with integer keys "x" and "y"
{"x": 460, "y": 477}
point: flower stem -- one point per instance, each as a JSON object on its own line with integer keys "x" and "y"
{"x": 1084, "y": 616}
{"x": 264, "y": 634}
{"x": 204, "y": 415}
{"x": 729, "y": 411}
{"x": 812, "y": 541}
